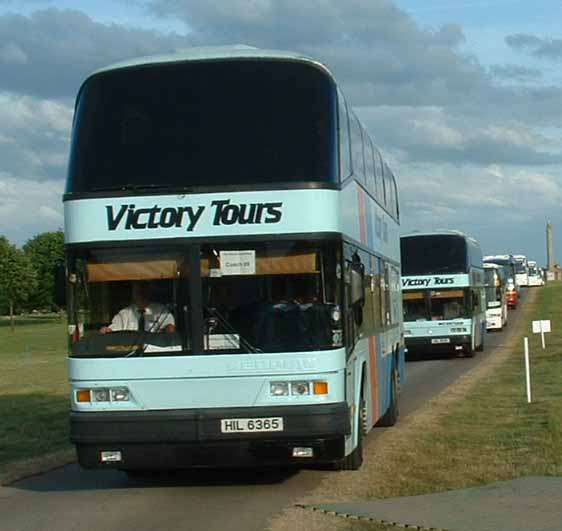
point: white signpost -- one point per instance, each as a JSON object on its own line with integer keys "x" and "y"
{"x": 527, "y": 369}
{"x": 542, "y": 328}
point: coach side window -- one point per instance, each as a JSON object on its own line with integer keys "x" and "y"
{"x": 385, "y": 183}
{"x": 379, "y": 187}
{"x": 388, "y": 190}
{"x": 370, "y": 166}
{"x": 357, "y": 149}
{"x": 396, "y": 197}
{"x": 345, "y": 152}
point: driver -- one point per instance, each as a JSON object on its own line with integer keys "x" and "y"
{"x": 141, "y": 314}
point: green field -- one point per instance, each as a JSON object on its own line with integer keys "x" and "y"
{"x": 33, "y": 388}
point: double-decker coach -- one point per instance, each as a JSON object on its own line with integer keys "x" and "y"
{"x": 233, "y": 292}
{"x": 444, "y": 293}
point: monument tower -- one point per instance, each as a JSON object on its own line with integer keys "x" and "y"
{"x": 549, "y": 248}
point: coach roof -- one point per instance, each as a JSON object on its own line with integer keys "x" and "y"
{"x": 441, "y": 232}
{"x": 215, "y": 53}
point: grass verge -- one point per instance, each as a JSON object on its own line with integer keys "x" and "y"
{"x": 33, "y": 395}
{"x": 478, "y": 431}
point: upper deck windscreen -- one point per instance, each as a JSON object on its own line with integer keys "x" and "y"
{"x": 204, "y": 124}
{"x": 428, "y": 255}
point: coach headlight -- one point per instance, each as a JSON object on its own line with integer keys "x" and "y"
{"x": 101, "y": 395}
{"x": 119, "y": 394}
{"x": 279, "y": 388}
{"x": 300, "y": 388}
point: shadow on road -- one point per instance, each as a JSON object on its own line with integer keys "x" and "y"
{"x": 427, "y": 356}
{"x": 73, "y": 478}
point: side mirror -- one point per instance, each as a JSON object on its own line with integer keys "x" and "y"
{"x": 60, "y": 285}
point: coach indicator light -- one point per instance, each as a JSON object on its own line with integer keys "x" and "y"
{"x": 320, "y": 388}
{"x": 83, "y": 395}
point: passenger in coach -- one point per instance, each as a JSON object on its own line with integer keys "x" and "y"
{"x": 142, "y": 314}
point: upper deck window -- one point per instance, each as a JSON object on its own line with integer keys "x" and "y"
{"x": 345, "y": 153}
{"x": 357, "y": 148}
{"x": 204, "y": 124}
{"x": 429, "y": 255}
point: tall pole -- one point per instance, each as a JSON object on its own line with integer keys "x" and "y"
{"x": 549, "y": 248}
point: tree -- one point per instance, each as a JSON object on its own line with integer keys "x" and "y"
{"x": 18, "y": 279}
{"x": 4, "y": 246}
{"x": 45, "y": 251}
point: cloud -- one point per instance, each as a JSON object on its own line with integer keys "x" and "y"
{"x": 34, "y": 137}
{"x": 49, "y": 53}
{"x": 12, "y": 54}
{"x": 505, "y": 208}
{"x": 37, "y": 207}
{"x": 516, "y": 72}
{"x": 545, "y": 48}
{"x": 523, "y": 40}
{"x": 435, "y": 134}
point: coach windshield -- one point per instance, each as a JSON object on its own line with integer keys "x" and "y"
{"x": 274, "y": 297}
{"x": 437, "y": 305}
{"x": 200, "y": 124}
{"x": 205, "y": 299}
{"x": 125, "y": 303}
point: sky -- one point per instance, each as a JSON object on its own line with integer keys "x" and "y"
{"x": 463, "y": 97}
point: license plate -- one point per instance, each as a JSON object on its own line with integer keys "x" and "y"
{"x": 440, "y": 340}
{"x": 252, "y": 425}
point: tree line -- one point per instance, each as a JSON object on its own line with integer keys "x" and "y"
{"x": 27, "y": 275}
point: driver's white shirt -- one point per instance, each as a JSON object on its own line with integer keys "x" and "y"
{"x": 156, "y": 318}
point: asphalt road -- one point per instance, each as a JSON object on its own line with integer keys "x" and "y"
{"x": 72, "y": 499}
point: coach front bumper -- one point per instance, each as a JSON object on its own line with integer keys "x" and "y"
{"x": 187, "y": 438}
{"x": 438, "y": 343}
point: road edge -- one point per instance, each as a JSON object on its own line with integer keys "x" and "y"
{"x": 36, "y": 466}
